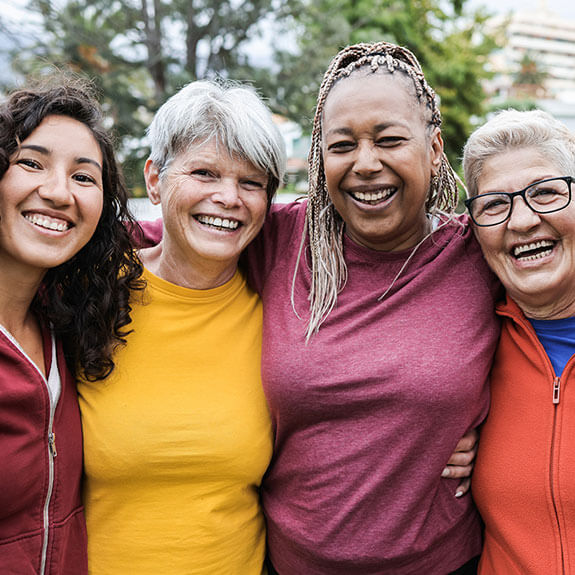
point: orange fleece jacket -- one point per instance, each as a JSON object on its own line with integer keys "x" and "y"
{"x": 524, "y": 480}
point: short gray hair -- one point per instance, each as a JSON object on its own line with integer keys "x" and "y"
{"x": 229, "y": 113}
{"x": 511, "y": 130}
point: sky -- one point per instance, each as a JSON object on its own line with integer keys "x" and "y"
{"x": 563, "y": 8}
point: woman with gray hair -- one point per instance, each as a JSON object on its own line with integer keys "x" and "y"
{"x": 520, "y": 169}
{"x": 178, "y": 438}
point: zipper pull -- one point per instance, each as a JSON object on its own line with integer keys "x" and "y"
{"x": 556, "y": 390}
{"x": 52, "y": 443}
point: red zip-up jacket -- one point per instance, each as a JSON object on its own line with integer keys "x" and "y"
{"x": 524, "y": 478}
{"x": 42, "y": 528}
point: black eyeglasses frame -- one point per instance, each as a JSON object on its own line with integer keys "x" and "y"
{"x": 511, "y": 195}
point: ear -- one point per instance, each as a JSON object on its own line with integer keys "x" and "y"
{"x": 152, "y": 177}
{"x": 436, "y": 152}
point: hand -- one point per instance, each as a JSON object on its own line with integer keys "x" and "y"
{"x": 460, "y": 464}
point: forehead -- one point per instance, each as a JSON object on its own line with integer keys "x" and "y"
{"x": 514, "y": 169}
{"x": 214, "y": 154}
{"x": 387, "y": 94}
{"x": 60, "y": 127}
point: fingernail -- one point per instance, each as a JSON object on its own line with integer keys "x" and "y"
{"x": 459, "y": 493}
{"x": 445, "y": 472}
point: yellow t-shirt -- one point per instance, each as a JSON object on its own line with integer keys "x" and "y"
{"x": 177, "y": 439}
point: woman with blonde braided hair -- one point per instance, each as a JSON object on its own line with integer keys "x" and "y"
{"x": 325, "y": 225}
{"x": 378, "y": 336}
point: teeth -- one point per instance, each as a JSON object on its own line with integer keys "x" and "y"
{"x": 518, "y": 250}
{"x": 218, "y": 222}
{"x": 535, "y": 256}
{"x": 48, "y": 223}
{"x": 373, "y": 196}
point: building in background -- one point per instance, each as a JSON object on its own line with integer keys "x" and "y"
{"x": 537, "y": 62}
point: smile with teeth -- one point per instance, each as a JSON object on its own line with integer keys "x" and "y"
{"x": 47, "y": 222}
{"x": 533, "y": 251}
{"x": 373, "y": 197}
{"x": 219, "y": 223}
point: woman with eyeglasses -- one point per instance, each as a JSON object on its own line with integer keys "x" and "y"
{"x": 519, "y": 169}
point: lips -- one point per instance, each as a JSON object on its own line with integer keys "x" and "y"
{"x": 218, "y": 223}
{"x": 48, "y": 222}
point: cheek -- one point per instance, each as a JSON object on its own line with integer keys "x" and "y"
{"x": 491, "y": 244}
{"x": 332, "y": 169}
{"x": 177, "y": 198}
{"x": 258, "y": 207}
{"x": 93, "y": 208}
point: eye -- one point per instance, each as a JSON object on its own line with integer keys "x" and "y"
{"x": 389, "y": 141}
{"x": 341, "y": 146}
{"x": 544, "y": 193}
{"x": 202, "y": 173}
{"x": 490, "y": 205}
{"x": 85, "y": 179}
{"x": 253, "y": 184}
{"x": 28, "y": 163}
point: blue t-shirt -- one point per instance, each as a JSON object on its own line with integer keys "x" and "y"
{"x": 558, "y": 339}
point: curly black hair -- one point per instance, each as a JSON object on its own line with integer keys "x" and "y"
{"x": 86, "y": 299}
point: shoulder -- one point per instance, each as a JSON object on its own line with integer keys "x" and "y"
{"x": 283, "y": 218}
{"x": 282, "y": 222}
{"x": 279, "y": 241}
{"x": 466, "y": 256}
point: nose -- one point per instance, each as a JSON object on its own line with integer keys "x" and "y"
{"x": 522, "y": 216}
{"x": 227, "y": 193}
{"x": 56, "y": 188}
{"x": 367, "y": 160}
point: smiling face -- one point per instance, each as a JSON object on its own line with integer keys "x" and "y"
{"x": 379, "y": 156}
{"x": 51, "y": 196}
{"x": 213, "y": 206}
{"x": 532, "y": 254}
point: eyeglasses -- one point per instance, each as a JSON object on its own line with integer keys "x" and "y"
{"x": 543, "y": 197}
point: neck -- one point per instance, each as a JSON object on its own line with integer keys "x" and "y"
{"x": 17, "y": 291}
{"x": 552, "y": 310}
{"x": 181, "y": 272}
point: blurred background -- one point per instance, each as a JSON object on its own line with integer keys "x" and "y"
{"x": 480, "y": 56}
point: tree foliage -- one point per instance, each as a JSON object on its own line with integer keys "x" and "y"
{"x": 141, "y": 51}
{"x": 449, "y": 41}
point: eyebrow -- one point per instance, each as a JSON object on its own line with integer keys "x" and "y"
{"x": 534, "y": 181}
{"x": 377, "y": 128}
{"x": 45, "y": 152}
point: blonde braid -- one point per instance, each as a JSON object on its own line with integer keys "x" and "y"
{"x": 324, "y": 225}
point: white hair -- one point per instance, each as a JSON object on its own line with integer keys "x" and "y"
{"x": 511, "y": 130}
{"x": 231, "y": 114}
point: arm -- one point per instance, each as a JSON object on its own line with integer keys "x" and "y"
{"x": 149, "y": 233}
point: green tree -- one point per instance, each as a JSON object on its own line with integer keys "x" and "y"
{"x": 529, "y": 80}
{"x": 449, "y": 41}
{"x": 138, "y": 52}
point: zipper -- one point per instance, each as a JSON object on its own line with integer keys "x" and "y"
{"x": 52, "y": 453}
{"x": 556, "y": 391}
{"x": 556, "y": 396}
{"x": 51, "y": 446}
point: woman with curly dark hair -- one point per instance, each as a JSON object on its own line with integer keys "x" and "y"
{"x": 67, "y": 271}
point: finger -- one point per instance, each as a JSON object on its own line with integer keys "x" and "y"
{"x": 463, "y": 487}
{"x": 462, "y": 457}
{"x": 457, "y": 471}
{"x": 468, "y": 441}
